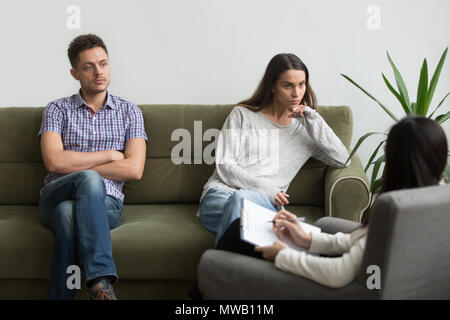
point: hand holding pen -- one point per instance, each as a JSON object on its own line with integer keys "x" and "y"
{"x": 290, "y": 220}
{"x": 286, "y": 224}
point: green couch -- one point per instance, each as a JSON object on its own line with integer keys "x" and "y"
{"x": 160, "y": 240}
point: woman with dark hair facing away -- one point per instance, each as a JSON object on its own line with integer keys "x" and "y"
{"x": 264, "y": 142}
{"x": 416, "y": 154}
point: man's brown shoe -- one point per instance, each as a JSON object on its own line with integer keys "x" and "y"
{"x": 102, "y": 290}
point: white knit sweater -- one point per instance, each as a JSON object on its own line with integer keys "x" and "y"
{"x": 334, "y": 272}
{"x": 254, "y": 153}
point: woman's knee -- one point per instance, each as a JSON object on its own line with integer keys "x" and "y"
{"x": 210, "y": 219}
{"x": 234, "y": 204}
{"x": 212, "y": 206}
{"x": 241, "y": 194}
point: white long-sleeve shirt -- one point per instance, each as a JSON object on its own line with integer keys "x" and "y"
{"x": 335, "y": 272}
{"x": 254, "y": 153}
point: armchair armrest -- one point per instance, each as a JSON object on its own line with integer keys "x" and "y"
{"x": 347, "y": 191}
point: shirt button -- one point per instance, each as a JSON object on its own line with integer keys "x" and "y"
{"x": 93, "y": 149}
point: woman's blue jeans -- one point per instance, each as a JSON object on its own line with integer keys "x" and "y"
{"x": 220, "y": 207}
{"x": 80, "y": 215}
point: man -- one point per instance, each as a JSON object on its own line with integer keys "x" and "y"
{"x": 91, "y": 143}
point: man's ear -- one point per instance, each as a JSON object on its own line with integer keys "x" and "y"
{"x": 74, "y": 74}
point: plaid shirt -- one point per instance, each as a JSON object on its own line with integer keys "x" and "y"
{"x": 83, "y": 130}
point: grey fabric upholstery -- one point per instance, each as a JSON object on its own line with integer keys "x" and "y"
{"x": 228, "y": 275}
{"x": 409, "y": 239}
{"x": 333, "y": 225}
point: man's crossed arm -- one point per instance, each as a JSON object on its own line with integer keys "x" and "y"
{"x": 110, "y": 164}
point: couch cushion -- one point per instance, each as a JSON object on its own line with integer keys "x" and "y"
{"x": 25, "y": 245}
{"x": 152, "y": 241}
{"x": 159, "y": 242}
{"x": 18, "y": 132}
{"x": 21, "y": 165}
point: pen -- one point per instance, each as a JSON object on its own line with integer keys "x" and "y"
{"x": 290, "y": 220}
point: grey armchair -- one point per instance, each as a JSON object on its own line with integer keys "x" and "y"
{"x": 408, "y": 239}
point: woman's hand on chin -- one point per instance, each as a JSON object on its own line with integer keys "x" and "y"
{"x": 298, "y": 111}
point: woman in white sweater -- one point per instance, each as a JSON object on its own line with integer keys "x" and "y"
{"x": 263, "y": 144}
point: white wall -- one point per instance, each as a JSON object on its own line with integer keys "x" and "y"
{"x": 215, "y": 51}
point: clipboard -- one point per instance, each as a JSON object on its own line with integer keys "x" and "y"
{"x": 257, "y": 229}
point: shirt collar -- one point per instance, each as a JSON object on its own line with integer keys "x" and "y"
{"x": 79, "y": 101}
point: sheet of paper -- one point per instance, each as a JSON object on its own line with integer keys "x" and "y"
{"x": 256, "y": 226}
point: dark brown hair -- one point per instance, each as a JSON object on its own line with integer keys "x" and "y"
{"x": 81, "y": 43}
{"x": 416, "y": 153}
{"x": 277, "y": 65}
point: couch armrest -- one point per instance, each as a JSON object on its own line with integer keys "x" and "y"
{"x": 347, "y": 191}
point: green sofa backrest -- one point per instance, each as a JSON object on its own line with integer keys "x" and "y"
{"x": 22, "y": 171}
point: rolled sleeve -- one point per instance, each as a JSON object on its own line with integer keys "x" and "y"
{"x": 52, "y": 119}
{"x": 135, "y": 128}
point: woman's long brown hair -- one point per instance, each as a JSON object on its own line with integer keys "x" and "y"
{"x": 277, "y": 65}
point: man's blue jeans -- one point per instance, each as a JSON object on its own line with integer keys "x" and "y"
{"x": 80, "y": 215}
{"x": 220, "y": 207}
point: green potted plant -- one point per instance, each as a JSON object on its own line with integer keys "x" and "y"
{"x": 420, "y": 107}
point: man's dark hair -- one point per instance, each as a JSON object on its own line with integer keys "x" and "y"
{"x": 81, "y": 43}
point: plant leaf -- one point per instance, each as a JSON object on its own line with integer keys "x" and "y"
{"x": 377, "y": 184}
{"x": 374, "y": 154}
{"x": 413, "y": 107}
{"x": 376, "y": 168}
{"x": 400, "y": 83}
{"x": 422, "y": 90}
{"x": 435, "y": 78}
{"x": 372, "y": 97}
{"x": 439, "y": 104}
{"x": 361, "y": 140}
{"x": 397, "y": 95}
{"x": 443, "y": 117}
